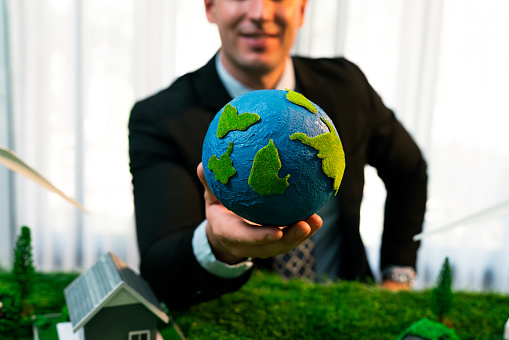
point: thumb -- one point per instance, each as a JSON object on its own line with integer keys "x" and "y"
{"x": 209, "y": 196}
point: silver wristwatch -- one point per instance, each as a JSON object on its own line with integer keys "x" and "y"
{"x": 399, "y": 274}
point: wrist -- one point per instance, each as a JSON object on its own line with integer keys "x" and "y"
{"x": 204, "y": 256}
{"x": 219, "y": 250}
{"x": 399, "y": 275}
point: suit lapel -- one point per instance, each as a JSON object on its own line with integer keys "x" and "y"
{"x": 211, "y": 94}
{"x": 308, "y": 82}
{"x": 316, "y": 88}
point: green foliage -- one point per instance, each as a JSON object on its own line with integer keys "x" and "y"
{"x": 300, "y": 100}
{"x": 46, "y": 326}
{"x": 268, "y": 307}
{"x": 43, "y": 322}
{"x": 47, "y": 297}
{"x": 230, "y": 120}
{"x": 264, "y": 178}
{"x": 23, "y": 270}
{"x": 441, "y": 295}
{"x": 65, "y": 314}
{"x": 330, "y": 150}
{"x": 428, "y": 329}
{"x": 10, "y": 313}
{"x": 223, "y": 167}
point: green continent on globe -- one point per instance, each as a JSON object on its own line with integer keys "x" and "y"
{"x": 230, "y": 120}
{"x": 299, "y": 99}
{"x": 222, "y": 167}
{"x": 264, "y": 173}
{"x": 330, "y": 150}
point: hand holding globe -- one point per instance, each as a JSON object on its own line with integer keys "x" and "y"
{"x": 232, "y": 238}
{"x": 270, "y": 157}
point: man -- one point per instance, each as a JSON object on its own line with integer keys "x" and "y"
{"x": 192, "y": 248}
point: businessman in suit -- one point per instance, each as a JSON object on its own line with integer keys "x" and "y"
{"x": 192, "y": 248}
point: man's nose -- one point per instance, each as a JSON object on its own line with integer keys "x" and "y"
{"x": 260, "y": 10}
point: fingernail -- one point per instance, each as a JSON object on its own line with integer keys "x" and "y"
{"x": 315, "y": 224}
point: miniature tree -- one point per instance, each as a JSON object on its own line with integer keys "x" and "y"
{"x": 23, "y": 270}
{"x": 441, "y": 295}
{"x": 10, "y": 318}
{"x": 441, "y": 303}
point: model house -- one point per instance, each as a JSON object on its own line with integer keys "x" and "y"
{"x": 110, "y": 301}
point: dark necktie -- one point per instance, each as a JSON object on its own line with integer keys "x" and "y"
{"x": 297, "y": 263}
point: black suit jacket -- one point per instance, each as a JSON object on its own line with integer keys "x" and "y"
{"x": 166, "y": 133}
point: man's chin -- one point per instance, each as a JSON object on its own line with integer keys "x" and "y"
{"x": 255, "y": 62}
{"x": 258, "y": 65}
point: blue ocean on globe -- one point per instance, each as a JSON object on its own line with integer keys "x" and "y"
{"x": 308, "y": 188}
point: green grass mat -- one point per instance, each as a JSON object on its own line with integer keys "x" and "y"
{"x": 47, "y": 298}
{"x": 270, "y": 308}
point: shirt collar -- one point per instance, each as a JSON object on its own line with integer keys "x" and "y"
{"x": 235, "y": 88}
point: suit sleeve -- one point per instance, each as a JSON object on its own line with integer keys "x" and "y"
{"x": 168, "y": 200}
{"x": 401, "y": 166}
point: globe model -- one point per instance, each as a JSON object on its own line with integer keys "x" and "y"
{"x": 273, "y": 157}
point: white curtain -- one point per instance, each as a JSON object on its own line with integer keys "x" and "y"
{"x": 6, "y": 140}
{"x": 77, "y": 69}
{"x": 78, "y": 66}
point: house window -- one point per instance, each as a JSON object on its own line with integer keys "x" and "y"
{"x": 139, "y": 335}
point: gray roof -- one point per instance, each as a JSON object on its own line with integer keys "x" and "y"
{"x": 86, "y": 295}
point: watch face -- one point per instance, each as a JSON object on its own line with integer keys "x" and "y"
{"x": 401, "y": 278}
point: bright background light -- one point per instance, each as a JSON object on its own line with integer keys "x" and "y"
{"x": 77, "y": 67}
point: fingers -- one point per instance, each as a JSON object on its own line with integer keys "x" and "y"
{"x": 209, "y": 196}
{"x": 315, "y": 222}
{"x": 245, "y": 233}
{"x": 201, "y": 175}
{"x": 233, "y": 238}
{"x": 248, "y": 234}
{"x": 299, "y": 232}
{"x": 248, "y": 240}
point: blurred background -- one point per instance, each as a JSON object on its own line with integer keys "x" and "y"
{"x": 70, "y": 71}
